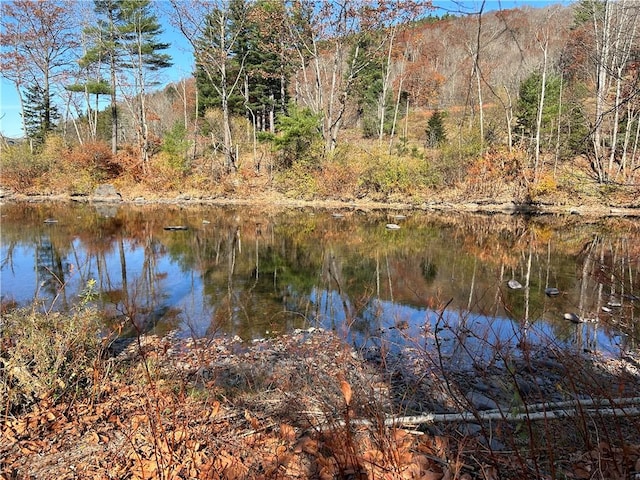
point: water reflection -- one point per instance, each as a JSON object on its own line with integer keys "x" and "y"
{"x": 439, "y": 281}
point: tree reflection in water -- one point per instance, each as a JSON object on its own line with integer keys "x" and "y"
{"x": 253, "y": 273}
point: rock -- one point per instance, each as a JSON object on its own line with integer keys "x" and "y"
{"x": 106, "y": 192}
{"x": 614, "y": 302}
{"x": 514, "y": 284}
{"x": 481, "y": 402}
{"x": 572, "y": 317}
{"x": 174, "y": 228}
{"x": 470, "y": 429}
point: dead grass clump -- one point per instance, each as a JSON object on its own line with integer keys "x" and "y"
{"x": 47, "y": 355}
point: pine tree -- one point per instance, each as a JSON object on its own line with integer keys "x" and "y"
{"x": 140, "y": 31}
{"x": 266, "y": 68}
{"x": 107, "y": 50}
{"x": 528, "y": 102}
{"x": 254, "y": 39}
{"x": 208, "y": 79}
{"x": 436, "y": 134}
{"x": 40, "y": 114}
{"x": 126, "y": 41}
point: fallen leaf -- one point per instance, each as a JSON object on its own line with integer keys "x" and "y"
{"x": 215, "y": 409}
{"x": 287, "y": 432}
{"x": 346, "y": 391}
{"x": 92, "y": 438}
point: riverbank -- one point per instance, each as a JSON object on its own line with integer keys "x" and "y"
{"x": 307, "y": 405}
{"x": 629, "y": 206}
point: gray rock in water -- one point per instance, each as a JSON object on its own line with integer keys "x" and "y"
{"x": 573, "y": 318}
{"x": 514, "y": 284}
{"x": 106, "y": 192}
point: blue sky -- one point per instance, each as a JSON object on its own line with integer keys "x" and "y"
{"x": 11, "y": 125}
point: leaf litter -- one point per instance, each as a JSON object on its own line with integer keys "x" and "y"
{"x": 218, "y": 408}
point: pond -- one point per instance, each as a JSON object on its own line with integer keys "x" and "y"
{"x": 439, "y": 280}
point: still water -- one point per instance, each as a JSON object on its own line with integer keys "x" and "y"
{"x": 438, "y": 279}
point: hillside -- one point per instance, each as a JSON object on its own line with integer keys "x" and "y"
{"x": 524, "y": 105}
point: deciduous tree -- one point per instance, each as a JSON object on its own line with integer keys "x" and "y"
{"x": 38, "y": 41}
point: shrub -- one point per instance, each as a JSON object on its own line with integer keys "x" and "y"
{"x": 338, "y": 179}
{"x": 175, "y": 146}
{"x": 47, "y": 354}
{"x": 299, "y": 140}
{"x": 298, "y": 182}
{"x": 20, "y": 168}
{"x": 546, "y": 185}
{"x": 495, "y": 169}
{"x": 386, "y": 175}
{"x": 96, "y": 159}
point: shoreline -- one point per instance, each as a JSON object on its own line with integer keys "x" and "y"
{"x": 485, "y": 206}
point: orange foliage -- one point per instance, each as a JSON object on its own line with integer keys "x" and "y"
{"x": 96, "y": 157}
{"x": 338, "y": 180}
{"x": 494, "y": 168}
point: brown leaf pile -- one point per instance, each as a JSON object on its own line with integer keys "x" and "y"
{"x": 278, "y": 409}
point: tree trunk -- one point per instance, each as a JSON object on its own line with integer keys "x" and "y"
{"x": 382, "y": 104}
{"x": 543, "y": 89}
{"x": 114, "y": 108}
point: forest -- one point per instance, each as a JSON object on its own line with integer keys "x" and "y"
{"x": 344, "y": 100}
{"x": 347, "y": 104}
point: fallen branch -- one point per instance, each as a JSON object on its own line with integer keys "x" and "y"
{"x": 539, "y": 411}
{"x": 509, "y": 417}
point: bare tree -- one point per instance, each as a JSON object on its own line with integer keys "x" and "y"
{"x": 615, "y": 34}
{"x": 328, "y": 52}
{"x": 205, "y": 25}
{"x": 38, "y": 42}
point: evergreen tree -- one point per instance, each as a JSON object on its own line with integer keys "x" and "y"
{"x": 40, "y": 114}
{"x": 436, "y": 134}
{"x": 207, "y": 78}
{"x": 125, "y": 39}
{"x": 107, "y": 50}
{"x": 253, "y": 37}
{"x": 367, "y": 89}
{"x": 300, "y": 140}
{"x": 140, "y": 31}
{"x": 265, "y": 64}
{"x": 529, "y": 100}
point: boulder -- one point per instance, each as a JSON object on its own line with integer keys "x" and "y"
{"x": 106, "y": 192}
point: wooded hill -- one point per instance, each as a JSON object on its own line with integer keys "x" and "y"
{"x": 331, "y": 100}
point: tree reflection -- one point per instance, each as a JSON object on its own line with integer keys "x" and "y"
{"x": 254, "y": 273}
